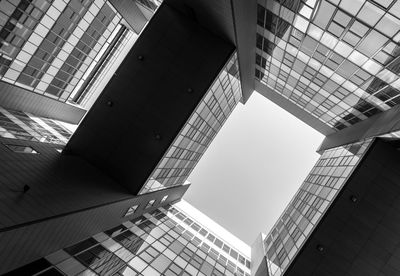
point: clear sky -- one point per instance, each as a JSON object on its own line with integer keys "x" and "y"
{"x": 253, "y": 168}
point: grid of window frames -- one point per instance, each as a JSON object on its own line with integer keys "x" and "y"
{"x": 17, "y": 21}
{"x": 208, "y": 235}
{"x": 47, "y": 46}
{"x": 199, "y": 131}
{"x": 336, "y": 59}
{"x": 25, "y": 126}
{"x": 154, "y": 244}
{"x": 310, "y": 203}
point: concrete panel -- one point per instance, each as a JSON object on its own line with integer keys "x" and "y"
{"x": 16, "y": 98}
{"x": 146, "y": 103}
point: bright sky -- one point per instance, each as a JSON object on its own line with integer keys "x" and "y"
{"x": 253, "y": 168}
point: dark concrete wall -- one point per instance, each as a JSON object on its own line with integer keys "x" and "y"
{"x": 362, "y": 237}
{"x": 148, "y": 96}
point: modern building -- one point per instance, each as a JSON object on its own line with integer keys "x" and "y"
{"x": 342, "y": 220}
{"x": 150, "y": 85}
{"x": 59, "y": 187}
{"x": 167, "y": 241}
{"x": 333, "y": 64}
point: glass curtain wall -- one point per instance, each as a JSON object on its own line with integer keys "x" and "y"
{"x": 337, "y": 60}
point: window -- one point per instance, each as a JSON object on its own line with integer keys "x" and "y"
{"x": 21, "y": 149}
{"x": 203, "y": 232}
{"x": 218, "y": 243}
{"x": 150, "y": 203}
{"x": 131, "y": 210}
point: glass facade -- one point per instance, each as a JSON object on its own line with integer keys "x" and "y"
{"x": 51, "y": 47}
{"x": 336, "y": 59}
{"x": 310, "y": 203}
{"x": 201, "y": 128}
{"x": 25, "y": 126}
{"x": 165, "y": 242}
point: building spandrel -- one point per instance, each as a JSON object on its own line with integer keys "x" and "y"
{"x": 167, "y": 241}
{"x": 336, "y": 60}
{"x": 310, "y": 203}
{"x": 199, "y": 131}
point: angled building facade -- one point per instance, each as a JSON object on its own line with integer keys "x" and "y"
{"x": 79, "y": 182}
{"x": 150, "y": 85}
{"x": 167, "y": 241}
{"x": 335, "y": 61}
